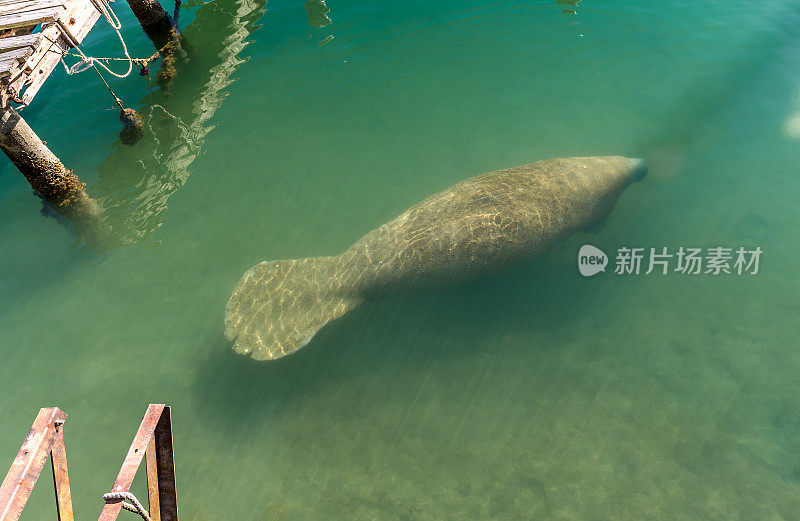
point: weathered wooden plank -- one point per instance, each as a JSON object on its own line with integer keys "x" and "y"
{"x": 37, "y": 16}
{"x": 21, "y": 52}
{"x": 17, "y": 31}
{"x": 52, "y": 41}
{"x": 18, "y": 42}
{"x": 16, "y": 54}
{"x": 41, "y": 72}
{"x": 5, "y": 4}
{"x": 12, "y": 2}
{"x": 77, "y": 22}
{"x": 30, "y": 5}
{"x": 20, "y": 70}
{"x": 22, "y": 74}
{"x": 5, "y": 65}
{"x": 75, "y": 19}
{"x": 79, "y": 19}
{"x": 11, "y": 58}
{"x": 150, "y": 457}
{"x": 23, "y": 6}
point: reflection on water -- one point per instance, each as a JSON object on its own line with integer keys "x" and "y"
{"x": 317, "y": 13}
{"x": 791, "y": 127}
{"x": 536, "y": 394}
{"x": 134, "y": 198}
{"x": 573, "y": 3}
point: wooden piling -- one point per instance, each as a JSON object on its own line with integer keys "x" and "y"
{"x": 165, "y": 37}
{"x": 47, "y": 175}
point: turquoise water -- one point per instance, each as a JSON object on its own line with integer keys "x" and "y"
{"x": 534, "y": 394}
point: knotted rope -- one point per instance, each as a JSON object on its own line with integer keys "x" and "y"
{"x": 133, "y": 126}
{"x": 88, "y": 61}
{"x": 134, "y": 507}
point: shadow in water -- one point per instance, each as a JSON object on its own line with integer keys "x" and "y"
{"x": 136, "y": 181}
{"x": 399, "y": 336}
{"x": 706, "y": 99}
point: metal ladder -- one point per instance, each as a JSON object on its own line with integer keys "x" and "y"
{"x": 153, "y": 441}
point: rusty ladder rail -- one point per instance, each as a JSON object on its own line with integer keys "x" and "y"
{"x": 153, "y": 441}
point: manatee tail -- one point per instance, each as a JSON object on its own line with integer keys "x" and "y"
{"x": 278, "y": 306}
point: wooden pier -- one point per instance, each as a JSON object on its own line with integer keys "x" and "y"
{"x": 34, "y": 35}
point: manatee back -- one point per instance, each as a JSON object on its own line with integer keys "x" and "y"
{"x": 482, "y": 224}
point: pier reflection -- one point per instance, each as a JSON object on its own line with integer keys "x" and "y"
{"x": 318, "y": 13}
{"x": 570, "y": 4}
{"x": 135, "y": 182}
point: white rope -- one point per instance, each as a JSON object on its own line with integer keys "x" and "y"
{"x": 78, "y": 67}
{"x": 135, "y": 507}
{"x": 87, "y": 61}
{"x": 105, "y": 9}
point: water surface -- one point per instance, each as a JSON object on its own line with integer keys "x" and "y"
{"x": 537, "y": 394}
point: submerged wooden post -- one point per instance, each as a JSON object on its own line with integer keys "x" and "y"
{"x": 161, "y": 31}
{"x": 48, "y": 176}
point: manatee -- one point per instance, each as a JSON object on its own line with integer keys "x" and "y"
{"x": 476, "y": 227}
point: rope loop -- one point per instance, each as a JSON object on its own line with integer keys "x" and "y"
{"x": 108, "y": 13}
{"x": 85, "y": 63}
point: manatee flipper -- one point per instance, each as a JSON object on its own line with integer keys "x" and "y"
{"x": 278, "y": 306}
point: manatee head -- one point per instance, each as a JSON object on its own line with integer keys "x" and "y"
{"x": 608, "y": 177}
{"x": 621, "y": 171}
{"x": 638, "y": 168}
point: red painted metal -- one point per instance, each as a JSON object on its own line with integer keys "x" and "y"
{"x": 154, "y": 438}
{"x": 28, "y": 465}
{"x": 165, "y": 464}
{"x": 132, "y": 461}
{"x": 152, "y": 480}
{"x": 58, "y": 462}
